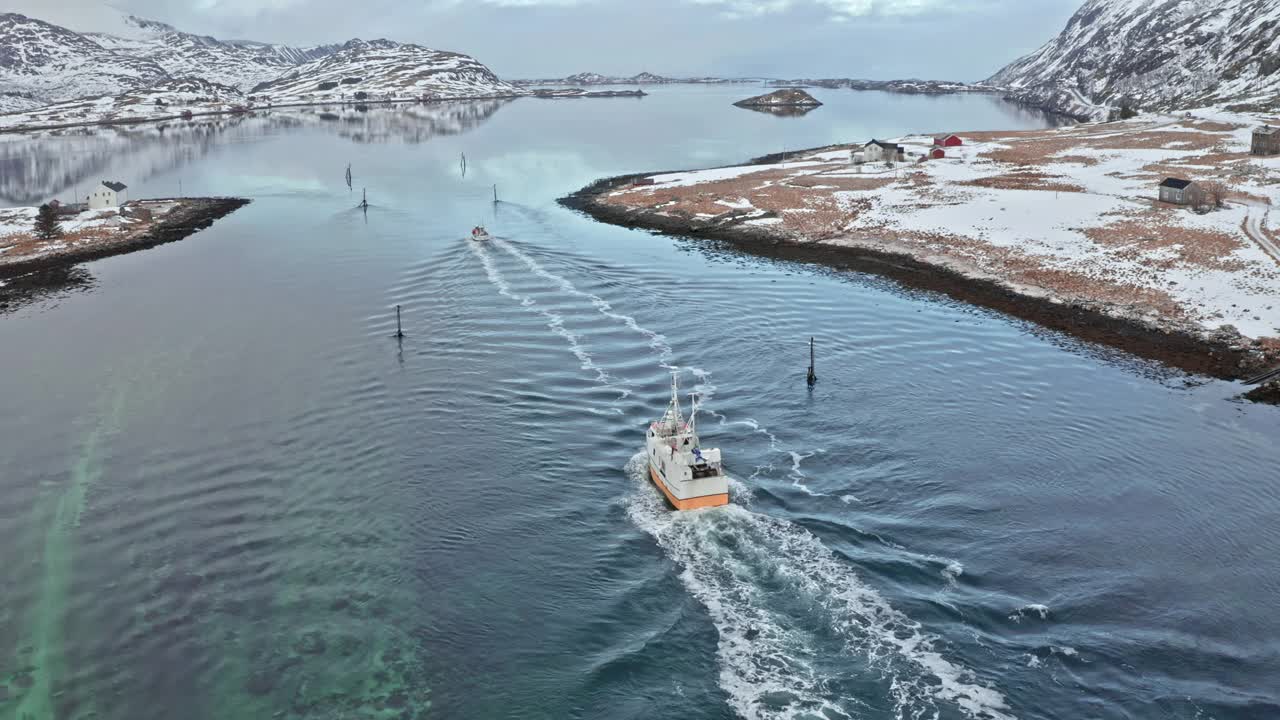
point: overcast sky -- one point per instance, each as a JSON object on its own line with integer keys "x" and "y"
{"x": 876, "y": 39}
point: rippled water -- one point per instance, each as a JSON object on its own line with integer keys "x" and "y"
{"x": 229, "y": 492}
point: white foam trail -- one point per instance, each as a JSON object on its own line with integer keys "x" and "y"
{"x": 755, "y": 427}
{"x": 797, "y": 475}
{"x": 952, "y": 572}
{"x": 554, "y": 320}
{"x": 665, "y": 355}
{"x": 1027, "y": 610}
{"x": 657, "y": 340}
{"x": 795, "y": 621}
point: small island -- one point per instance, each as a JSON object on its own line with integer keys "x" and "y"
{"x": 79, "y": 233}
{"x": 570, "y": 93}
{"x": 784, "y": 98}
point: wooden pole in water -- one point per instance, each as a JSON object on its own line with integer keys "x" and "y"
{"x": 495, "y": 194}
{"x": 813, "y": 376}
{"x": 399, "y": 331}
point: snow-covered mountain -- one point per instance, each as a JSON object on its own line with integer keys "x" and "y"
{"x": 1157, "y": 54}
{"x": 144, "y": 65}
{"x": 381, "y": 70}
{"x": 50, "y": 63}
{"x": 180, "y": 54}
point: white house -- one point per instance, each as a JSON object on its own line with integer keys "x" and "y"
{"x": 108, "y": 194}
{"x": 878, "y": 151}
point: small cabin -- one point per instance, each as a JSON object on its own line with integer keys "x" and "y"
{"x": 66, "y": 209}
{"x": 937, "y": 153}
{"x": 1266, "y": 141}
{"x": 947, "y": 141}
{"x": 108, "y": 194}
{"x": 1177, "y": 191}
{"x": 878, "y": 151}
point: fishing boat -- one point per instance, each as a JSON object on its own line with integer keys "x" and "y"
{"x": 690, "y": 476}
{"x": 478, "y": 233}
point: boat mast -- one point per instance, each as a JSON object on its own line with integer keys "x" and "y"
{"x": 676, "y": 416}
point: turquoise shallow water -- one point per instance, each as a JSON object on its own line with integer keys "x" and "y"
{"x": 228, "y": 492}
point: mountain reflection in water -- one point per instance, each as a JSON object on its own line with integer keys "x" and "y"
{"x": 37, "y": 167}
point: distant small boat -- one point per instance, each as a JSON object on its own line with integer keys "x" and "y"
{"x": 479, "y": 234}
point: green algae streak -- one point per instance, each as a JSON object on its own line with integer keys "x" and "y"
{"x": 46, "y": 659}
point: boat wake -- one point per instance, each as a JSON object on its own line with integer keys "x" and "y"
{"x": 800, "y": 635}
{"x": 657, "y": 341}
{"x": 662, "y": 351}
{"x": 555, "y": 321}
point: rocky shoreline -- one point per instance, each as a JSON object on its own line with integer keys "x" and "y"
{"x": 1225, "y": 355}
{"x": 190, "y": 217}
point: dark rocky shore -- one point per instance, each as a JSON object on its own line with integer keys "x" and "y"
{"x": 54, "y": 276}
{"x": 1226, "y": 356}
{"x": 193, "y": 215}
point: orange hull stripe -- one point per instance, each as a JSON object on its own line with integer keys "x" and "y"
{"x": 705, "y": 501}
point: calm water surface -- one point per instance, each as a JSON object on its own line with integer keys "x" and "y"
{"x": 227, "y": 492}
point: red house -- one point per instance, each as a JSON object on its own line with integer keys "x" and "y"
{"x": 948, "y": 140}
{"x": 937, "y": 153}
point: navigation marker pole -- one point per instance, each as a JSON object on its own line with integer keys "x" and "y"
{"x": 399, "y": 331}
{"x": 813, "y": 376}
{"x": 495, "y": 194}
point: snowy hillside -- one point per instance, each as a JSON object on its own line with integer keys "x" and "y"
{"x": 10, "y": 102}
{"x": 1153, "y": 54}
{"x": 51, "y": 63}
{"x": 180, "y": 54}
{"x": 384, "y": 70}
{"x": 166, "y": 99}
{"x": 144, "y": 69}
{"x": 292, "y": 55}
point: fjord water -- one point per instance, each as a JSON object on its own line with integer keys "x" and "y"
{"x": 228, "y": 492}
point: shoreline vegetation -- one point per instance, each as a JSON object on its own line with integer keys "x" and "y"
{"x": 1057, "y": 227}
{"x": 96, "y": 234}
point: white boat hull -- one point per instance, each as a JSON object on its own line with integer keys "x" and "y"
{"x": 715, "y": 499}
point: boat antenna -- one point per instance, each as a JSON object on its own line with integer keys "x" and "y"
{"x": 676, "y": 415}
{"x": 693, "y": 412}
